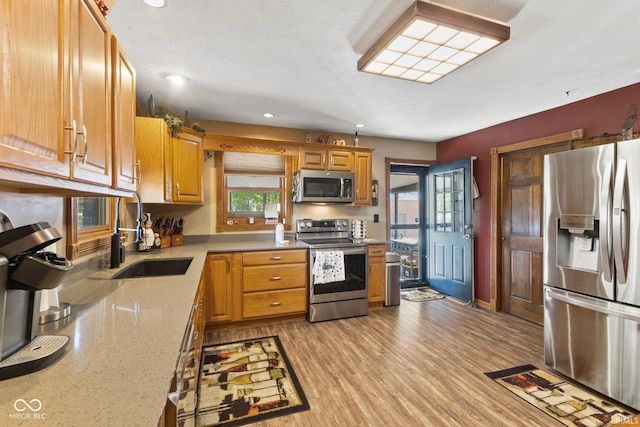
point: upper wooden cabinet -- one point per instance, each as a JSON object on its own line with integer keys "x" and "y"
{"x": 170, "y": 163}
{"x": 56, "y": 80}
{"x": 35, "y": 87}
{"x": 187, "y": 162}
{"x": 362, "y": 172}
{"x": 124, "y": 113}
{"x": 332, "y": 160}
{"x": 91, "y": 94}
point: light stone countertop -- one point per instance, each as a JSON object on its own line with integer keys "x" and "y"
{"x": 125, "y": 337}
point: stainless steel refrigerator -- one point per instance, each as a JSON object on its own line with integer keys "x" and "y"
{"x": 592, "y": 267}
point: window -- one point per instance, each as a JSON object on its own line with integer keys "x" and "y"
{"x": 449, "y": 194}
{"x": 252, "y": 185}
{"x": 89, "y": 225}
{"x": 249, "y": 195}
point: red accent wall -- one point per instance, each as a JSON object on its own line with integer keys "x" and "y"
{"x": 597, "y": 115}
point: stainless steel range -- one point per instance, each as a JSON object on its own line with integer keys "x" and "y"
{"x": 338, "y": 270}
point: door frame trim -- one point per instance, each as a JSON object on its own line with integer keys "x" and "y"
{"x": 495, "y": 276}
{"x": 387, "y": 183}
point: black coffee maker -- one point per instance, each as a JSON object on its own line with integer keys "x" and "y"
{"x": 24, "y": 271}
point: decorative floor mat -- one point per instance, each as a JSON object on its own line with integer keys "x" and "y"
{"x": 421, "y": 294}
{"x": 245, "y": 382}
{"x": 567, "y": 403}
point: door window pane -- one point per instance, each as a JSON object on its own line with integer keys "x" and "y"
{"x": 449, "y": 198}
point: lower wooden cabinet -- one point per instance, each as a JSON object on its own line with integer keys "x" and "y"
{"x": 274, "y": 303}
{"x": 377, "y": 273}
{"x": 274, "y": 283}
{"x": 219, "y": 283}
{"x": 256, "y": 284}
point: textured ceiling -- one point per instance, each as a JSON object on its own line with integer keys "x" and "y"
{"x": 297, "y": 59}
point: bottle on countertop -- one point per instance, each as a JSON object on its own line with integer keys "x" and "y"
{"x": 279, "y": 232}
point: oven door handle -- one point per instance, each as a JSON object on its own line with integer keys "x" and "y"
{"x": 348, "y": 250}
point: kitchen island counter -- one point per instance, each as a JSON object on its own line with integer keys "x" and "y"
{"x": 125, "y": 337}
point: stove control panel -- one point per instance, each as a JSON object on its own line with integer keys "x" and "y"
{"x": 321, "y": 225}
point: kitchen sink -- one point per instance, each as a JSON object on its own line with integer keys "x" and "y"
{"x": 155, "y": 267}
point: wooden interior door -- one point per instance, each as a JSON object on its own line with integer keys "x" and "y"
{"x": 522, "y": 233}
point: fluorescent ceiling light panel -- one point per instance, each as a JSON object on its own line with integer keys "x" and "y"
{"x": 429, "y": 41}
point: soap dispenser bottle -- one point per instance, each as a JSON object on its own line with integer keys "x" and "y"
{"x": 279, "y": 233}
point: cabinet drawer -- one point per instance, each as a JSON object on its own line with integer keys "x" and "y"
{"x": 272, "y": 277}
{"x": 274, "y": 303}
{"x": 274, "y": 257}
{"x": 377, "y": 250}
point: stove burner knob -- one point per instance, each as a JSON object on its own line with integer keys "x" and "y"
{"x": 345, "y": 223}
{"x": 308, "y": 224}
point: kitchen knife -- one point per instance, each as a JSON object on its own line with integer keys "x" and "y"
{"x": 179, "y": 226}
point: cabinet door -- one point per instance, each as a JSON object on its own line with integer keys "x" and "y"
{"x": 124, "y": 114}
{"x": 362, "y": 195}
{"x": 310, "y": 159}
{"x": 340, "y": 161}
{"x": 152, "y": 140}
{"x": 188, "y": 159}
{"x": 91, "y": 89}
{"x": 377, "y": 273}
{"x": 33, "y": 86}
{"x": 219, "y": 288}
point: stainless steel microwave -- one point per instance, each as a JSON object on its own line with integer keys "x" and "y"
{"x": 316, "y": 186}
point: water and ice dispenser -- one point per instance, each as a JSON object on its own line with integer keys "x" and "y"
{"x": 25, "y": 273}
{"x": 578, "y": 242}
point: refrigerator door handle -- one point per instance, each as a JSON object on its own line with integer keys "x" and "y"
{"x": 610, "y": 308}
{"x": 619, "y": 222}
{"x": 605, "y": 223}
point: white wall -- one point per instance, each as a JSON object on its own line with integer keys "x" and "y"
{"x": 26, "y": 209}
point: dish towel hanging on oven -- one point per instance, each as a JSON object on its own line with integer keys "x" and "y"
{"x": 328, "y": 267}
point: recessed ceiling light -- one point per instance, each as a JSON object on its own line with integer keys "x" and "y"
{"x": 176, "y": 79}
{"x": 268, "y": 115}
{"x": 155, "y": 3}
{"x": 359, "y": 125}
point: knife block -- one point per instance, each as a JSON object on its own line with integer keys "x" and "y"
{"x": 177, "y": 240}
{"x": 165, "y": 242}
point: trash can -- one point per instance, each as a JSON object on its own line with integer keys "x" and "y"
{"x": 392, "y": 295}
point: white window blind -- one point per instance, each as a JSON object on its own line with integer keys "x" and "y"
{"x": 253, "y": 163}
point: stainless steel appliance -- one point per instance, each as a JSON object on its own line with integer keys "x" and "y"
{"x": 24, "y": 273}
{"x": 317, "y": 186}
{"x": 335, "y": 299}
{"x": 591, "y": 268}
{"x": 409, "y": 252}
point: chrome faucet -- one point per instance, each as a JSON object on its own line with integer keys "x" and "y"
{"x": 117, "y": 247}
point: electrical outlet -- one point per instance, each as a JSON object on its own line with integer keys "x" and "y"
{"x": 376, "y": 218}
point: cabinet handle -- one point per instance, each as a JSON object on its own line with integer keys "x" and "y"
{"x": 228, "y": 266}
{"x": 73, "y": 129}
{"x": 177, "y": 189}
{"x": 275, "y": 258}
{"x": 275, "y": 304}
{"x": 276, "y": 278}
{"x": 85, "y": 156}
{"x": 376, "y": 252}
{"x": 138, "y": 176}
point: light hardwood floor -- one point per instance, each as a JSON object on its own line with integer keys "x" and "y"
{"x": 416, "y": 364}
